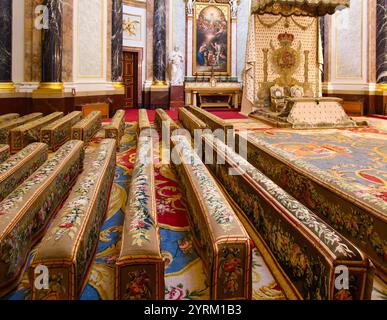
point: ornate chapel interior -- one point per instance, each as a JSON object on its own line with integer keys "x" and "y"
{"x": 193, "y": 150}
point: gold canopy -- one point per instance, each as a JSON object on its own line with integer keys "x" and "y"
{"x": 298, "y": 7}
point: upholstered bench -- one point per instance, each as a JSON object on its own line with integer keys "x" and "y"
{"x": 4, "y": 152}
{"x": 143, "y": 122}
{"x": 85, "y": 129}
{"x": 8, "y": 117}
{"x": 221, "y": 240}
{"x": 28, "y": 133}
{"x": 190, "y": 121}
{"x": 116, "y": 128}
{"x": 69, "y": 245}
{"x": 140, "y": 256}
{"x": 26, "y": 212}
{"x": 20, "y": 166}
{"x": 162, "y": 117}
{"x": 311, "y": 253}
{"x": 222, "y": 129}
{"x": 7, "y": 126}
{"x": 58, "y": 132}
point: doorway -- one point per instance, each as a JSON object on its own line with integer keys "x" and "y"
{"x": 130, "y": 79}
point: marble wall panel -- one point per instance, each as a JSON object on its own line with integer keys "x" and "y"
{"x": 91, "y": 31}
{"x": 349, "y": 37}
{"x": 381, "y": 41}
{"x": 67, "y": 67}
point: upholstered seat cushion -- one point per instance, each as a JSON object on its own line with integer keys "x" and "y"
{"x": 20, "y": 166}
{"x": 85, "y": 129}
{"x": 9, "y": 117}
{"x": 4, "y": 152}
{"x": 5, "y": 127}
{"x": 28, "y": 133}
{"x": 140, "y": 254}
{"x": 220, "y": 238}
{"x": 25, "y": 213}
{"x": 69, "y": 245}
{"x": 310, "y": 250}
{"x": 58, "y": 132}
{"x": 116, "y": 128}
{"x": 143, "y": 122}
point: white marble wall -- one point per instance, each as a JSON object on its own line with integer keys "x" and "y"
{"x": 349, "y": 48}
{"x": 242, "y": 29}
{"x": 177, "y": 23}
{"x": 90, "y": 39}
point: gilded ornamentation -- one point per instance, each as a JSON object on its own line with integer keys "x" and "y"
{"x": 285, "y": 60}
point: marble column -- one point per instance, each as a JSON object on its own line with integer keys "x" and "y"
{"x": 159, "y": 42}
{"x": 6, "y": 84}
{"x": 52, "y": 47}
{"x": 381, "y": 41}
{"x": 117, "y": 39}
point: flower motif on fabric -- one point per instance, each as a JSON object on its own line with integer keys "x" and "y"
{"x": 231, "y": 270}
{"x": 138, "y": 287}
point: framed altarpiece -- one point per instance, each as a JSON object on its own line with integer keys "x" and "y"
{"x": 211, "y": 38}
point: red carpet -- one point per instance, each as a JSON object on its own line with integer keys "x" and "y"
{"x": 378, "y": 116}
{"x": 227, "y": 114}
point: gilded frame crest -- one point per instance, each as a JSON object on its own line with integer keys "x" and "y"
{"x": 207, "y": 66}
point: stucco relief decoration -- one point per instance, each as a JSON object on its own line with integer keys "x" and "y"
{"x": 132, "y": 27}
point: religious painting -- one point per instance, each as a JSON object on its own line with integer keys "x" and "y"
{"x": 212, "y": 53}
{"x": 132, "y": 27}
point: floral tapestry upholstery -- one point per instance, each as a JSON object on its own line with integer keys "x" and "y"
{"x": 7, "y": 126}
{"x": 116, "y": 128}
{"x": 59, "y": 132}
{"x": 20, "y": 166}
{"x": 222, "y": 128}
{"x": 296, "y": 92}
{"x": 307, "y": 248}
{"x": 4, "y": 152}
{"x": 9, "y": 117}
{"x": 69, "y": 245}
{"x": 338, "y": 174}
{"x": 26, "y": 212}
{"x": 277, "y": 96}
{"x": 190, "y": 121}
{"x": 143, "y": 121}
{"x": 315, "y": 114}
{"x": 221, "y": 240}
{"x": 28, "y": 133}
{"x": 140, "y": 266}
{"x": 85, "y": 129}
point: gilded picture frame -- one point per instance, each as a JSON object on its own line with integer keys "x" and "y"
{"x": 211, "y": 39}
